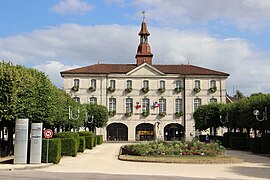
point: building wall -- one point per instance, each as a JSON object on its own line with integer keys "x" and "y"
{"x": 137, "y": 77}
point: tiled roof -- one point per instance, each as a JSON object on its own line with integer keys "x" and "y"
{"x": 124, "y": 68}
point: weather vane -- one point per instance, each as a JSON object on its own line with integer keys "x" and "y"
{"x": 143, "y": 13}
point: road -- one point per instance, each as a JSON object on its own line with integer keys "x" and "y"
{"x": 102, "y": 163}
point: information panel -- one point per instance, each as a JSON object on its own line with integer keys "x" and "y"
{"x": 36, "y": 143}
{"x": 21, "y": 141}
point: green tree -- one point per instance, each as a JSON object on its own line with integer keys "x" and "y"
{"x": 100, "y": 115}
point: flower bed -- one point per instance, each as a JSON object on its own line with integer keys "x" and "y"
{"x": 176, "y": 148}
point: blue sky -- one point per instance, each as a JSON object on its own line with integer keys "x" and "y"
{"x": 226, "y": 35}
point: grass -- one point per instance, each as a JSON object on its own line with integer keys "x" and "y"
{"x": 189, "y": 159}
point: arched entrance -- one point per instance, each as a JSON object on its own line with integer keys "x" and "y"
{"x": 173, "y": 131}
{"x": 145, "y": 132}
{"x": 117, "y": 132}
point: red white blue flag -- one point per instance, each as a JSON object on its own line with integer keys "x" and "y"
{"x": 156, "y": 104}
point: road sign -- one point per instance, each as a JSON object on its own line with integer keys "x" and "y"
{"x": 48, "y": 133}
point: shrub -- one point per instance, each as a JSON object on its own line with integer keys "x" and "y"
{"x": 197, "y": 90}
{"x": 67, "y": 135}
{"x": 85, "y": 133}
{"x": 145, "y": 90}
{"x": 111, "y": 89}
{"x": 161, "y": 90}
{"x": 99, "y": 139}
{"x": 89, "y": 141}
{"x": 266, "y": 143}
{"x": 213, "y": 89}
{"x": 129, "y": 89}
{"x": 95, "y": 140}
{"x": 128, "y": 114}
{"x": 178, "y": 114}
{"x": 89, "y": 138}
{"x": 91, "y": 88}
{"x": 227, "y": 135}
{"x": 256, "y": 145}
{"x": 178, "y": 89}
{"x": 239, "y": 143}
{"x": 69, "y": 146}
{"x": 176, "y": 148}
{"x": 82, "y": 144}
{"x": 145, "y": 113}
{"x": 162, "y": 114}
{"x": 111, "y": 113}
{"x": 54, "y": 150}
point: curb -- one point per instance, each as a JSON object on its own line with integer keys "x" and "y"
{"x": 26, "y": 167}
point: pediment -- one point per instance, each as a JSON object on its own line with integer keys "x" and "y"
{"x": 145, "y": 70}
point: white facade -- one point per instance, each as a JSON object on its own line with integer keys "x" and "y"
{"x": 154, "y": 76}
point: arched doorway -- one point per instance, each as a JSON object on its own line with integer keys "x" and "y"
{"x": 145, "y": 132}
{"x": 173, "y": 131}
{"x": 117, "y": 132}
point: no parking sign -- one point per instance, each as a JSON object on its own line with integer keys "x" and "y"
{"x": 48, "y": 133}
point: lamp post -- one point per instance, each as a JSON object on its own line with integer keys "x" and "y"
{"x": 256, "y": 113}
{"x": 226, "y": 119}
{"x": 87, "y": 120}
{"x": 70, "y": 115}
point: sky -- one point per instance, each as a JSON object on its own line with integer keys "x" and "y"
{"x": 231, "y": 36}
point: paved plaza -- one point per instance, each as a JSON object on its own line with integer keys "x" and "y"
{"x": 103, "y": 160}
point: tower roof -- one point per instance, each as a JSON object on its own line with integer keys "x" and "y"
{"x": 144, "y": 30}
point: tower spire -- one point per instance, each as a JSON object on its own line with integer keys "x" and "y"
{"x": 144, "y": 51}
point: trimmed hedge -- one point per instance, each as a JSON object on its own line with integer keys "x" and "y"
{"x": 85, "y": 133}
{"x": 89, "y": 142}
{"x": 95, "y": 140}
{"x": 239, "y": 143}
{"x": 256, "y": 145}
{"x": 54, "y": 150}
{"x": 228, "y": 135}
{"x": 70, "y": 146}
{"x": 82, "y": 144}
{"x": 67, "y": 135}
{"x": 99, "y": 139}
{"x": 266, "y": 143}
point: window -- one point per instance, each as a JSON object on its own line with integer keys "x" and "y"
{"x": 197, "y": 103}
{"x": 178, "y": 105}
{"x": 213, "y": 84}
{"x": 129, "y": 84}
{"x": 112, "y": 84}
{"x": 162, "y": 84}
{"x": 76, "y": 82}
{"x": 129, "y": 105}
{"x": 198, "y": 84}
{"x": 93, "y": 83}
{"x": 213, "y": 100}
{"x": 77, "y": 99}
{"x": 112, "y": 104}
{"x": 178, "y": 84}
{"x": 93, "y": 100}
{"x": 145, "y": 84}
{"x": 162, "y": 107}
{"x": 145, "y": 105}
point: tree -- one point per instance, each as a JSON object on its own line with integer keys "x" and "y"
{"x": 100, "y": 115}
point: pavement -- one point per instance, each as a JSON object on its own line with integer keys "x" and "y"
{"x": 104, "y": 159}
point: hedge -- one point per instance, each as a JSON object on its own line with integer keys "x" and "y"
{"x": 256, "y": 145}
{"x": 227, "y": 135}
{"x": 239, "y": 143}
{"x": 67, "y": 134}
{"x": 54, "y": 150}
{"x": 266, "y": 143}
{"x": 82, "y": 144}
{"x": 95, "y": 140}
{"x": 70, "y": 146}
{"x": 85, "y": 133}
{"x": 99, "y": 139}
{"x": 89, "y": 142}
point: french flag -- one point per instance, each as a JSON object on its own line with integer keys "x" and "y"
{"x": 156, "y": 104}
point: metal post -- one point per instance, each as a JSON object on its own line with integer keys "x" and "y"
{"x": 47, "y": 155}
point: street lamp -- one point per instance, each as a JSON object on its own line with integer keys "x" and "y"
{"x": 70, "y": 115}
{"x": 87, "y": 120}
{"x": 226, "y": 119}
{"x": 256, "y": 113}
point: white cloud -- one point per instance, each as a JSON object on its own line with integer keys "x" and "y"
{"x": 71, "y": 44}
{"x": 252, "y": 14}
{"x": 72, "y": 7}
{"x": 53, "y": 69}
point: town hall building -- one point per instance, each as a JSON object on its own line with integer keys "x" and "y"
{"x": 145, "y": 100}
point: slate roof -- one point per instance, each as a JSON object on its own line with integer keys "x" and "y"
{"x": 182, "y": 69}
